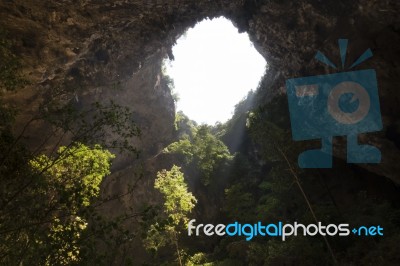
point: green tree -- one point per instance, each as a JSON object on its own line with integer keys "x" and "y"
{"x": 178, "y": 203}
{"x": 78, "y": 169}
{"x": 49, "y": 204}
{"x": 47, "y": 219}
{"x": 184, "y": 126}
{"x": 204, "y": 151}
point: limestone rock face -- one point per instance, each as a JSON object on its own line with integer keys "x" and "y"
{"x": 87, "y": 46}
{"x": 91, "y": 44}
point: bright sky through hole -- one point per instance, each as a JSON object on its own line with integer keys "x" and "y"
{"x": 214, "y": 68}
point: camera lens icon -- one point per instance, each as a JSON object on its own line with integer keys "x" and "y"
{"x": 339, "y": 104}
{"x": 358, "y": 93}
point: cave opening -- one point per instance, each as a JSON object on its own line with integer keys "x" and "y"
{"x": 214, "y": 67}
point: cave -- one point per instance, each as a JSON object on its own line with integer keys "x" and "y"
{"x": 94, "y": 51}
{"x": 92, "y": 46}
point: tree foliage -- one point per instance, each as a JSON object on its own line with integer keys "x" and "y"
{"x": 204, "y": 151}
{"x": 77, "y": 171}
{"x": 178, "y": 203}
{"x": 10, "y": 75}
{"x": 263, "y": 183}
{"x": 49, "y": 196}
{"x": 45, "y": 217}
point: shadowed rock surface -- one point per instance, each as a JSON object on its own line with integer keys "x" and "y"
{"x": 85, "y": 47}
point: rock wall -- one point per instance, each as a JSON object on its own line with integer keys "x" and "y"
{"x": 87, "y": 46}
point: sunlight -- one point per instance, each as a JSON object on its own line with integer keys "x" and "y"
{"x": 214, "y": 68}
